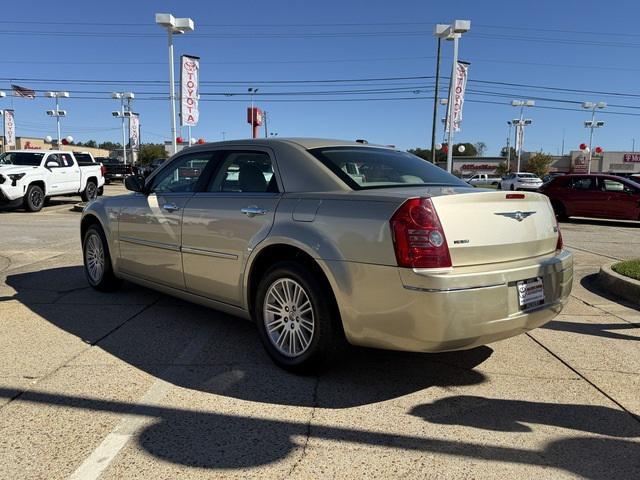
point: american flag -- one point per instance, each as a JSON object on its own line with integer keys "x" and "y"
{"x": 23, "y": 92}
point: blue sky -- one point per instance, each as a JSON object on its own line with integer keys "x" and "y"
{"x": 582, "y": 45}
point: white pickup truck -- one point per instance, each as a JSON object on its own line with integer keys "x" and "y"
{"x": 30, "y": 177}
{"x": 483, "y": 180}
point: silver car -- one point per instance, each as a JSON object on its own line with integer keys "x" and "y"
{"x": 318, "y": 241}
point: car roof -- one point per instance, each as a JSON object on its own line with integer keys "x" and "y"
{"x": 36, "y": 150}
{"x": 306, "y": 143}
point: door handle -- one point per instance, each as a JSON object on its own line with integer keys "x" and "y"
{"x": 252, "y": 211}
{"x": 170, "y": 207}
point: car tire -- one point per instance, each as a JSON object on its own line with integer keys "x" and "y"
{"x": 34, "y": 199}
{"x": 90, "y": 191}
{"x": 284, "y": 291}
{"x": 97, "y": 260}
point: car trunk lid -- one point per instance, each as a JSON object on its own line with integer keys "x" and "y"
{"x": 492, "y": 227}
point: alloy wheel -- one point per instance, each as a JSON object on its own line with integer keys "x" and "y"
{"x": 288, "y": 317}
{"x": 94, "y": 258}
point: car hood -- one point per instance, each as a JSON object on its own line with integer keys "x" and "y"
{"x": 10, "y": 169}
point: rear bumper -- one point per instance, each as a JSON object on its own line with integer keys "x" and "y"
{"x": 400, "y": 309}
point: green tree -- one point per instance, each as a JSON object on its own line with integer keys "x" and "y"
{"x": 503, "y": 152}
{"x": 91, "y": 144}
{"x": 481, "y": 148}
{"x": 502, "y": 169}
{"x": 151, "y": 151}
{"x": 110, "y": 146}
{"x": 423, "y": 153}
{"x": 539, "y": 164}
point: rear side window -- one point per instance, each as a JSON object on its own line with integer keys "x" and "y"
{"x": 367, "y": 168}
{"x": 83, "y": 159}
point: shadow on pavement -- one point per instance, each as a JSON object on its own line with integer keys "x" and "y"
{"x": 514, "y": 415}
{"x": 224, "y": 441}
{"x": 603, "y": 222}
{"x": 590, "y": 283}
{"x": 606, "y": 330}
{"x": 234, "y": 365}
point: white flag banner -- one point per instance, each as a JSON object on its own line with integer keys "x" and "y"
{"x": 189, "y": 90}
{"x": 519, "y": 137}
{"x": 459, "y": 87}
{"x": 9, "y": 129}
{"x": 134, "y": 131}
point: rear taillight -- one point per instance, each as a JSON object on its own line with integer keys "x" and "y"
{"x": 103, "y": 170}
{"x": 418, "y": 237}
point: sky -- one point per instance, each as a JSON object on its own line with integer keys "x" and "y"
{"x": 382, "y": 52}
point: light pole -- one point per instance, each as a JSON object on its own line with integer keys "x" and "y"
{"x": 452, "y": 32}
{"x": 177, "y": 26}
{"x": 123, "y": 113}
{"x": 520, "y": 124}
{"x": 57, "y": 113}
{"x": 510, "y": 123}
{"x": 252, "y": 91}
{"x": 438, "y": 34}
{"x": 4, "y": 137}
{"x": 592, "y": 124}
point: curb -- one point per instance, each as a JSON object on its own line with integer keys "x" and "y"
{"x": 619, "y": 285}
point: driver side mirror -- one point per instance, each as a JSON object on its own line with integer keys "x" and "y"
{"x": 51, "y": 164}
{"x": 135, "y": 183}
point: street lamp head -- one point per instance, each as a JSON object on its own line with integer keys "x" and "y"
{"x": 444, "y": 101}
{"x": 588, "y": 105}
{"x": 166, "y": 20}
{"x": 63, "y": 94}
{"x": 588, "y": 123}
{"x": 50, "y": 94}
{"x": 601, "y": 104}
{"x": 600, "y": 123}
{"x": 128, "y": 95}
{"x": 61, "y": 113}
{"x": 116, "y": 113}
{"x": 3, "y": 94}
{"x": 517, "y": 103}
{"x": 441, "y": 30}
{"x": 184, "y": 25}
{"x": 528, "y": 121}
{"x": 461, "y": 26}
{"x": 529, "y": 103}
{"x": 51, "y": 113}
{"x": 116, "y": 95}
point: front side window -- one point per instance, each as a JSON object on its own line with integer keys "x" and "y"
{"x": 182, "y": 175}
{"x": 367, "y": 167}
{"x": 245, "y": 172}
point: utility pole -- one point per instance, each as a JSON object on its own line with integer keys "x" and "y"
{"x": 592, "y": 124}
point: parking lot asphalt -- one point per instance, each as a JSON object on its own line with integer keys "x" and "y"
{"x": 136, "y": 384}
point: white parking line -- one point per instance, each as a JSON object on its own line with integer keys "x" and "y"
{"x": 96, "y": 463}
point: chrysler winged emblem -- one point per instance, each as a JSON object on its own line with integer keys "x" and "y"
{"x": 519, "y": 216}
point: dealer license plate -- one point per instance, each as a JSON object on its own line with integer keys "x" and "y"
{"x": 530, "y": 292}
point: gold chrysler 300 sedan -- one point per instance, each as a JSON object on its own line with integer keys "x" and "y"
{"x": 322, "y": 240}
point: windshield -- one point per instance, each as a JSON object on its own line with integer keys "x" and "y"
{"x": 21, "y": 158}
{"x": 368, "y": 167}
{"x": 526, "y": 175}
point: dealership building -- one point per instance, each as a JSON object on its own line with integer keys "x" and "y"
{"x": 574, "y": 162}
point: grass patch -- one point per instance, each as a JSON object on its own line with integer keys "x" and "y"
{"x": 630, "y": 268}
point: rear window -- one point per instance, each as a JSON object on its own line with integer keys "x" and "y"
{"x": 366, "y": 168}
{"x": 83, "y": 158}
{"x": 526, "y": 175}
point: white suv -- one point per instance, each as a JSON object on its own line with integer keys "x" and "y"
{"x": 520, "y": 181}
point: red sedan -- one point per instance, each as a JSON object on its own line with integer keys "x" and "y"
{"x": 600, "y": 196}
